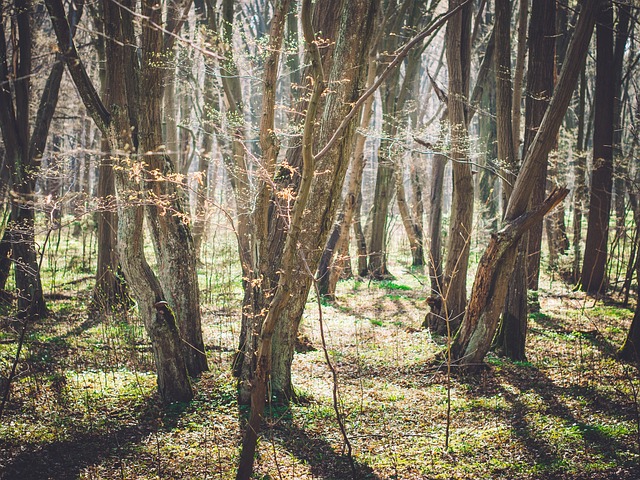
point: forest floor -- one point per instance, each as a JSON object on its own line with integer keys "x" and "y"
{"x": 83, "y": 405}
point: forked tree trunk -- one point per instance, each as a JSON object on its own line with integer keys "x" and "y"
{"x": 476, "y": 333}
{"x": 170, "y": 231}
{"x": 159, "y": 321}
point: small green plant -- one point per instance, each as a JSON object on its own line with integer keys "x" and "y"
{"x": 391, "y": 285}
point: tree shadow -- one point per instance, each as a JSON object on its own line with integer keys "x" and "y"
{"x": 541, "y": 450}
{"x": 65, "y": 459}
{"x": 319, "y": 455}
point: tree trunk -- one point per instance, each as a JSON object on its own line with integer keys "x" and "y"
{"x": 518, "y": 75}
{"x": 119, "y": 127}
{"x": 23, "y": 151}
{"x": 395, "y": 93}
{"x": 511, "y": 336}
{"x": 171, "y": 235}
{"x": 110, "y": 288}
{"x": 580, "y": 167}
{"x": 540, "y": 79}
{"x": 595, "y": 253}
{"x": 476, "y": 333}
{"x": 159, "y": 320}
{"x": 461, "y": 222}
{"x": 325, "y": 283}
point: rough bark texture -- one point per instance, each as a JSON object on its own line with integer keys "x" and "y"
{"x": 593, "y": 278}
{"x": 173, "y": 381}
{"x": 116, "y": 126}
{"x": 166, "y": 215}
{"x": 347, "y": 79}
{"x": 512, "y": 334}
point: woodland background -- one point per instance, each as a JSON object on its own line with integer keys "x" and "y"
{"x": 330, "y": 239}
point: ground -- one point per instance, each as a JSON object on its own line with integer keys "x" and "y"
{"x": 83, "y": 405}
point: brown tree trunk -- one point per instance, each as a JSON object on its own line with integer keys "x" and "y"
{"x": 325, "y": 283}
{"x": 593, "y": 278}
{"x": 580, "y": 167}
{"x": 22, "y": 152}
{"x": 170, "y": 231}
{"x": 476, "y": 333}
{"x": 540, "y": 79}
{"x": 518, "y": 75}
{"x": 511, "y": 336}
{"x": 110, "y": 289}
{"x": 461, "y": 222}
{"x": 173, "y": 381}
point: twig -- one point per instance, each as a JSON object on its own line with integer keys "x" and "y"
{"x": 334, "y": 373}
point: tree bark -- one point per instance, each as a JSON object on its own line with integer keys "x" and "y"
{"x": 325, "y": 283}
{"x": 166, "y": 215}
{"x": 593, "y": 279}
{"x": 461, "y": 222}
{"x": 511, "y": 336}
{"x": 540, "y": 80}
{"x": 476, "y": 333}
{"x": 159, "y": 321}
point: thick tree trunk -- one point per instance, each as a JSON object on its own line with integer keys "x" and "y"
{"x": 170, "y": 231}
{"x": 490, "y": 287}
{"x": 159, "y": 320}
{"x": 593, "y": 278}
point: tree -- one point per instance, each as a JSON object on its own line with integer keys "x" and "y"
{"x": 540, "y": 84}
{"x": 458, "y": 44}
{"x": 595, "y": 252}
{"x": 474, "y": 338}
{"x": 23, "y": 149}
{"x": 116, "y": 126}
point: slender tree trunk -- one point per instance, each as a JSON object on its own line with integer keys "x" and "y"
{"x": 511, "y": 336}
{"x": 580, "y": 166}
{"x": 461, "y": 222}
{"x": 518, "y": 75}
{"x": 593, "y": 278}
{"x": 349, "y": 64}
{"x": 540, "y": 79}
{"x": 325, "y": 283}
